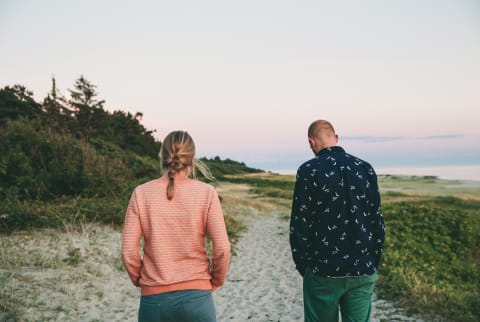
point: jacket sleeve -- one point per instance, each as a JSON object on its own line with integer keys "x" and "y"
{"x": 132, "y": 233}
{"x": 217, "y": 232}
{"x": 300, "y": 222}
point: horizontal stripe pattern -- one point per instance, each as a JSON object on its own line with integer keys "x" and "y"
{"x": 174, "y": 233}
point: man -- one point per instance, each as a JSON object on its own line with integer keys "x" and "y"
{"x": 336, "y": 230}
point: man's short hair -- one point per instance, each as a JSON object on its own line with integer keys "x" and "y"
{"x": 320, "y": 126}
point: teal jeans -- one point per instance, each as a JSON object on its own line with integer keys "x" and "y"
{"x": 323, "y": 297}
{"x": 178, "y": 306}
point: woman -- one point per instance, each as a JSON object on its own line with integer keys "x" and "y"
{"x": 174, "y": 214}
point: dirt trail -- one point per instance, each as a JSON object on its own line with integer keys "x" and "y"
{"x": 263, "y": 284}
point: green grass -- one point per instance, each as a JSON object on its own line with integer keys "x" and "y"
{"x": 428, "y": 186}
{"x": 33, "y": 214}
{"x": 221, "y": 168}
{"x": 10, "y": 306}
{"x": 234, "y": 229}
{"x": 431, "y": 259}
{"x": 266, "y": 185}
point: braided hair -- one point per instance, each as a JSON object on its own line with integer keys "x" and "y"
{"x": 178, "y": 154}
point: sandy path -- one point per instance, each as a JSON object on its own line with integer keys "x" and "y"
{"x": 263, "y": 284}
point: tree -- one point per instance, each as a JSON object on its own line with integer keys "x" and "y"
{"x": 56, "y": 114}
{"x": 89, "y": 113}
{"x": 126, "y": 131}
{"x": 17, "y": 101}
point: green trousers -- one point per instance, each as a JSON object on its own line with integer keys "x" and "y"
{"x": 323, "y": 297}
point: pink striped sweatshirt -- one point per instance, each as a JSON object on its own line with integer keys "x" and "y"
{"x": 174, "y": 255}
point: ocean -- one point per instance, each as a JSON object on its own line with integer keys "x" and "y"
{"x": 449, "y": 172}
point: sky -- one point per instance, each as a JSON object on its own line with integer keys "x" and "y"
{"x": 399, "y": 80}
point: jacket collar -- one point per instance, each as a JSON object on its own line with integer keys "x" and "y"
{"x": 331, "y": 149}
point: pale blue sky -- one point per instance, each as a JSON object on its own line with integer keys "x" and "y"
{"x": 400, "y": 80}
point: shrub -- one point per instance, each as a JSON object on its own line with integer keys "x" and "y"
{"x": 42, "y": 165}
{"x": 430, "y": 262}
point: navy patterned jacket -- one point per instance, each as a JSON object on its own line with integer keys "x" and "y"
{"x": 336, "y": 226}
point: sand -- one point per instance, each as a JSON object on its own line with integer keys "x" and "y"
{"x": 49, "y": 275}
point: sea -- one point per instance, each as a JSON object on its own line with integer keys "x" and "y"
{"x": 449, "y": 172}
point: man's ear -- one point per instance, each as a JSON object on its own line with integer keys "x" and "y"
{"x": 336, "y": 138}
{"x": 311, "y": 141}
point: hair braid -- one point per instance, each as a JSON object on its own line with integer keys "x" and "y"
{"x": 178, "y": 154}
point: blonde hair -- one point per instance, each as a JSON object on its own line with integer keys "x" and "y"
{"x": 178, "y": 154}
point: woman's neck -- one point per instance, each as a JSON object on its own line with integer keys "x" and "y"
{"x": 181, "y": 175}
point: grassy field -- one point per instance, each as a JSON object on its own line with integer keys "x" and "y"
{"x": 432, "y": 252}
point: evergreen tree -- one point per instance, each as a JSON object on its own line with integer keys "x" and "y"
{"x": 127, "y": 132}
{"x": 56, "y": 114}
{"x": 88, "y": 110}
{"x": 17, "y": 101}
{"x": 82, "y": 116}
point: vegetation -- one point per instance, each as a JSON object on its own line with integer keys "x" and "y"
{"x": 82, "y": 116}
{"x": 66, "y": 149}
{"x": 221, "y": 169}
{"x": 430, "y": 263}
{"x": 266, "y": 184}
{"x": 70, "y": 160}
{"x": 431, "y": 258}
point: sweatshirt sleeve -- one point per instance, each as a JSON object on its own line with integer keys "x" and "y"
{"x": 217, "y": 232}
{"x": 132, "y": 233}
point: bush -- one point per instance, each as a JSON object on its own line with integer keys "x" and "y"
{"x": 47, "y": 178}
{"x": 39, "y": 164}
{"x": 430, "y": 262}
{"x": 220, "y": 168}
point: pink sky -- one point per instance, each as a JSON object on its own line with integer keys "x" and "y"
{"x": 247, "y": 78}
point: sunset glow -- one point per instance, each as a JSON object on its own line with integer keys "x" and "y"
{"x": 399, "y": 80}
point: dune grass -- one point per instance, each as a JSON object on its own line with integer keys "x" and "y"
{"x": 47, "y": 274}
{"x": 419, "y": 186}
{"x": 266, "y": 184}
{"x": 431, "y": 258}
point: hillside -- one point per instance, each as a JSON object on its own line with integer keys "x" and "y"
{"x": 71, "y": 161}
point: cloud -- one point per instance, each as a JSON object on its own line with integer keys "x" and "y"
{"x": 373, "y": 139}
{"x": 442, "y": 137}
{"x": 377, "y": 139}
